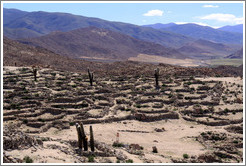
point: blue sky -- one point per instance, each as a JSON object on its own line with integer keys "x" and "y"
{"x": 212, "y": 14}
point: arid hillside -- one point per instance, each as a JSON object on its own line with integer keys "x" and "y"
{"x": 19, "y": 54}
{"x": 203, "y": 49}
{"x": 94, "y": 42}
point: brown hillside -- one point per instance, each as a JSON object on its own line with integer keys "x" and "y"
{"x": 99, "y": 43}
{"x": 26, "y": 55}
{"x": 236, "y": 55}
{"x": 206, "y": 49}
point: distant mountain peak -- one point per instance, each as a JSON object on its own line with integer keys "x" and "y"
{"x": 232, "y": 28}
{"x": 160, "y": 25}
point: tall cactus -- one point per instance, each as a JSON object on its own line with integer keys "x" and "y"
{"x": 92, "y": 140}
{"x": 157, "y": 78}
{"x": 35, "y": 73}
{"x": 79, "y": 136}
{"x": 90, "y": 76}
{"x": 86, "y": 143}
{"x": 83, "y": 136}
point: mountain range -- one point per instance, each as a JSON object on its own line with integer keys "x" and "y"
{"x": 34, "y": 24}
{"x": 79, "y": 37}
{"x": 99, "y": 43}
{"x": 228, "y": 28}
{"x": 205, "y": 33}
{"x": 236, "y": 28}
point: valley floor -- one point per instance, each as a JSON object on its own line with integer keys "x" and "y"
{"x": 189, "y": 119}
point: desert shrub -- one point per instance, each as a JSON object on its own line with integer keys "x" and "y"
{"x": 45, "y": 139}
{"x": 129, "y": 161}
{"x": 192, "y": 77}
{"x": 71, "y": 123}
{"x": 186, "y": 156}
{"x": 25, "y": 91}
{"x": 128, "y": 109}
{"x": 122, "y": 108}
{"x": 217, "y": 138}
{"x": 62, "y": 79}
{"x": 26, "y": 97}
{"x": 138, "y": 105}
{"x": 28, "y": 159}
{"x": 192, "y": 89}
{"x": 170, "y": 96}
{"x": 59, "y": 83}
{"x": 24, "y": 69}
{"x": 118, "y": 144}
{"x": 84, "y": 104}
{"x": 12, "y": 80}
{"x": 53, "y": 74}
{"x": 226, "y": 110}
{"x": 145, "y": 106}
{"x": 91, "y": 158}
{"x": 211, "y": 108}
{"x": 14, "y": 105}
{"x": 41, "y": 120}
{"x": 188, "y": 83}
{"x": 154, "y": 149}
{"x": 203, "y": 88}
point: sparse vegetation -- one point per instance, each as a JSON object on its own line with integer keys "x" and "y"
{"x": 27, "y": 159}
{"x": 67, "y": 100}
{"x": 118, "y": 144}
{"x": 129, "y": 161}
{"x": 185, "y": 156}
{"x": 91, "y": 158}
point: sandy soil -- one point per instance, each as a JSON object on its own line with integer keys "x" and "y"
{"x": 160, "y": 59}
{"x": 179, "y": 136}
{"x": 177, "y": 139}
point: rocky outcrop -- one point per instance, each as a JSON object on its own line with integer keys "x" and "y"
{"x": 14, "y": 139}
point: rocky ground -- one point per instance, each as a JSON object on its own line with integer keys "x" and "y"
{"x": 190, "y": 118}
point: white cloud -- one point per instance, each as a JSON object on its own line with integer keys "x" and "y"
{"x": 198, "y": 23}
{"x": 154, "y": 13}
{"x": 210, "y": 6}
{"x": 228, "y": 18}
